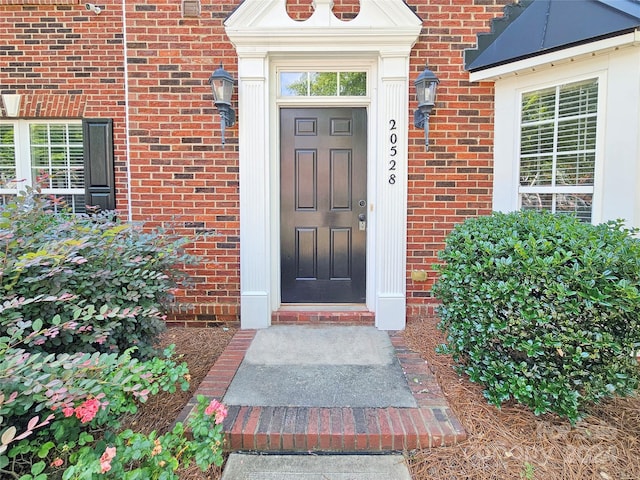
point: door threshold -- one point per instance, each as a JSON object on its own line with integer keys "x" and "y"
{"x": 323, "y": 307}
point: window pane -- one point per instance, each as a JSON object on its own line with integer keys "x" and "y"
{"x": 575, "y": 169}
{"x": 75, "y": 156}
{"x": 536, "y": 201}
{"x": 575, "y": 204}
{"x": 293, "y": 84}
{"x": 7, "y": 155}
{"x": 38, "y": 134}
{"x": 577, "y": 134}
{"x": 66, "y": 203}
{"x": 579, "y": 98}
{"x": 536, "y": 139}
{"x": 353, "y": 84}
{"x": 537, "y": 106}
{"x": 536, "y": 171}
{"x": 6, "y": 135}
{"x": 58, "y": 156}
{"x": 324, "y": 84}
{"x": 75, "y": 133}
{"x": 41, "y": 177}
{"x": 39, "y": 156}
{"x": 76, "y": 178}
{"x": 59, "y": 178}
{"x": 58, "y": 134}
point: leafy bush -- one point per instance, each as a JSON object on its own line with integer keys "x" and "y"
{"x": 83, "y": 300}
{"x": 59, "y": 413}
{"x": 542, "y": 309}
{"x": 100, "y": 261}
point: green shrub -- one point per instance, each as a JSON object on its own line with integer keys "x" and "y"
{"x": 60, "y": 413}
{"x": 99, "y": 260}
{"x": 543, "y": 309}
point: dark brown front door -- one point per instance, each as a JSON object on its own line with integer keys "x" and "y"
{"x": 323, "y": 204}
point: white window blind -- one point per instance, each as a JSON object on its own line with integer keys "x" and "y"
{"x": 558, "y": 148}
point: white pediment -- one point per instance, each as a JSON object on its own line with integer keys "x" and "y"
{"x": 266, "y": 23}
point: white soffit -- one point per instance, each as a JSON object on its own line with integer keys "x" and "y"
{"x": 265, "y": 23}
{"x": 549, "y": 60}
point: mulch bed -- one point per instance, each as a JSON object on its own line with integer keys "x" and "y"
{"x": 510, "y": 443}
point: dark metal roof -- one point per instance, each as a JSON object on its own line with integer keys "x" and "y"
{"x": 535, "y": 27}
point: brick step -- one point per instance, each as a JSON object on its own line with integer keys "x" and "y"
{"x": 345, "y": 429}
{"x": 356, "y": 317}
{"x": 287, "y": 429}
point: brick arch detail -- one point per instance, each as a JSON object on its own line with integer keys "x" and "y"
{"x": 42, "y": 105}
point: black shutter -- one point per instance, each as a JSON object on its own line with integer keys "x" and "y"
{"x": 98, "y": 163}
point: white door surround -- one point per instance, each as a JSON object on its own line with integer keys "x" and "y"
{"x": 379, "y": 40}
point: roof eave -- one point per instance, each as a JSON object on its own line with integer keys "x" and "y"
{"x": 548, "y": 59}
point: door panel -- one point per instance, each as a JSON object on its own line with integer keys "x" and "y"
{"x": 322, "y": 193}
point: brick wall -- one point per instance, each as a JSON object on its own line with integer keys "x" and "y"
{"x": 68, "y": 63}
{"x": 453, "y": 180}
{"x": 183, "y": 178}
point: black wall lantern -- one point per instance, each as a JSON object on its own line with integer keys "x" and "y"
{"x": 222, "y": 86}
{"x": 426, "y": 84}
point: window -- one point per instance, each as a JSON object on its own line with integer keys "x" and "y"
{"x": 558, "y": 148}
{"x": 46, "y": 153}
{"x": 323, "y": 84}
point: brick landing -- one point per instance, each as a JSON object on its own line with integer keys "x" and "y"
{"x": 347, "y": 429}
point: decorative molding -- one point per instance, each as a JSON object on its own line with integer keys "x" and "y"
{"x": 11, "y": 104}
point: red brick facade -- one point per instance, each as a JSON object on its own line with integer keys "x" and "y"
{"x": 173, "y": 172}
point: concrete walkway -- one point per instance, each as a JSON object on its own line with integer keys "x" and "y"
{"x": 314, "y": 467}
{"x": 341, "y": 389}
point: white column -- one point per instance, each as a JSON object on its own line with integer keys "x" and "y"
{"x": 253, "y": 124}
{"x": 391, "y": 201}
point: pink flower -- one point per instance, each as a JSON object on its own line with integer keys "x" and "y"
{"x": 105, "y": 459}
{"x": 105, "y": 467}
{"x": 87, "y": 410}
{"x": 217, "y": 408}
{"x": 221, "y": 414}
{"x": 212, "y": 407}
{"x": 57, "y": 462}
{"x": 68, "y": 411}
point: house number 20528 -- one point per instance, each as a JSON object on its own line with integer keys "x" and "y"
{"x": 393, "y": 151}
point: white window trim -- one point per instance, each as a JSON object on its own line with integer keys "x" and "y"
{"x": 508, "y": 108}
{"x": 22, "y": 143}
{"x": 553, "y": 188}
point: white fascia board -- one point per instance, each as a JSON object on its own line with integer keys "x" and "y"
{"x": 549, "y": 60}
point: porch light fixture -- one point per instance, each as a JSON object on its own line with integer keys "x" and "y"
{"x": 426, "y": 84}
{"x": 222, "y": 86}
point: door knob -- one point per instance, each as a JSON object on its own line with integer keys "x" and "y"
{"x": 362, "y": 217}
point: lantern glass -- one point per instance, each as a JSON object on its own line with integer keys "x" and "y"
{"x": 221, "y": 86}
{"x": 430, "y": 93}
{"x": 222, "y": 90}
{"x": 426, "y": 84}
